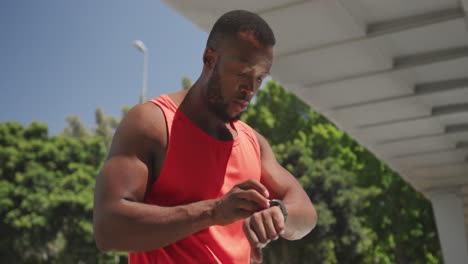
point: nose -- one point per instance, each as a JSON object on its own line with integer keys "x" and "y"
{"x": 248, "y": 89}
{"x": 249, "y": 85}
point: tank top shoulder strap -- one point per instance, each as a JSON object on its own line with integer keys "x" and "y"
{"x": 168, "y": 107}
{"x": 249, "y": 134}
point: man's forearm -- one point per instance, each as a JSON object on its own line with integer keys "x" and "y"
{"x": 302, "y": 216}
{"x": 134, "y": 226}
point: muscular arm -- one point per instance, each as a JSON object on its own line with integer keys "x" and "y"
{"x": 121, "y": 221}
{"x": 302, "y": 216}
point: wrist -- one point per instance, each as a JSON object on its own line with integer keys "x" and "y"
{"x": 212, "y": 211}
{"x": 201, "y": 212}
{"x": 282, "y": 206}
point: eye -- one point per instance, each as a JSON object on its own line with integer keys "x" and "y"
{"x": 259, "y": 80}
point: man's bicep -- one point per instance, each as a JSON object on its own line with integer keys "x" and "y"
{"x": 125, "y": 173}
{"x": 122, "y": 177}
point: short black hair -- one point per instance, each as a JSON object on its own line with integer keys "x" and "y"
{"x": 234, "y": 22}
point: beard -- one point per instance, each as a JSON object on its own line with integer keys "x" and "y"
{"x": 215, "y": 99}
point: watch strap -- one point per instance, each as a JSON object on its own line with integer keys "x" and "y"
{"x": 277, "y": 202}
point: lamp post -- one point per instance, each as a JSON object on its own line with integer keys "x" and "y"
{"x": 141, "y": 47}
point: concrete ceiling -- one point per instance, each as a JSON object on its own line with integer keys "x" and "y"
{"x": 393, "y": 74}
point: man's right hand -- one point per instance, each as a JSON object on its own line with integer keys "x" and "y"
{"x": 240, "y": 202}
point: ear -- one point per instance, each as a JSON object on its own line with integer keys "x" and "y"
{"x": 209, "y": 57}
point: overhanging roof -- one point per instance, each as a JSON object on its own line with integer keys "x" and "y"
{"x": 393, "y": 74}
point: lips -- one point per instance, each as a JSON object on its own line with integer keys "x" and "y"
{"x": 242, "y": 104}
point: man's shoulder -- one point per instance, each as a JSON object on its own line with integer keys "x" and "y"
{"x": 250, "y": 132}
{"x": 146, "y": 121}
{"x": 244, "y": 126}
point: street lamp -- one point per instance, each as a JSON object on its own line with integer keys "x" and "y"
{"x": 141, "y": 47}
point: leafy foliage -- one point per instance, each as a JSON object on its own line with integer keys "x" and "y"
{"x": 46, "y": 193}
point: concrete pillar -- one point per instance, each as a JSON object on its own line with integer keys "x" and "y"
{"x": 449, "y": 216}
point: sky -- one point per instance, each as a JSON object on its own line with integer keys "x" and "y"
{"x": 62, "y": 58}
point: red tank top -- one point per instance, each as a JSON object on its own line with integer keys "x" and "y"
{"x": 199, "y": 167}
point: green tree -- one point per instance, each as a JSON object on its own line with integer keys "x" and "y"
{"x": 186, "y": 83}
{"x": 46, "y": 191}
{"x": 46, "y": 195}
{"x": 105, "y": 126}
{"x": 279, "y": 116}
{"x": 75, "y": 128}
{"x": 341, "y": 235}
{"x": 125, "y": 110}
{"x": 401, "y": 217}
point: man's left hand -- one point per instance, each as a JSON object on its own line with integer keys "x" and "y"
{"x": 261, "y": 228}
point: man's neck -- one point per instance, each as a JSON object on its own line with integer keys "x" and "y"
{"x": 195, "y": 108}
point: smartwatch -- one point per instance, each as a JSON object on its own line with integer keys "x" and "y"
{"x": 276, "y": 202}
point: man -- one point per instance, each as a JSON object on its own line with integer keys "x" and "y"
{"x": 186, "y": 181}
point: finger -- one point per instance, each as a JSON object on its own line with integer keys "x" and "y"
{"x": 256, "y": 247}
{"x": 270, "y": 228}
{"x": 278, "y": 220}
{"x": 250, "y": 234}
{"x": 256, "y": 185}
{"x": 256, "y": 223}
{"x": 256, "y": 254}
{"x": 254, "y": 196}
